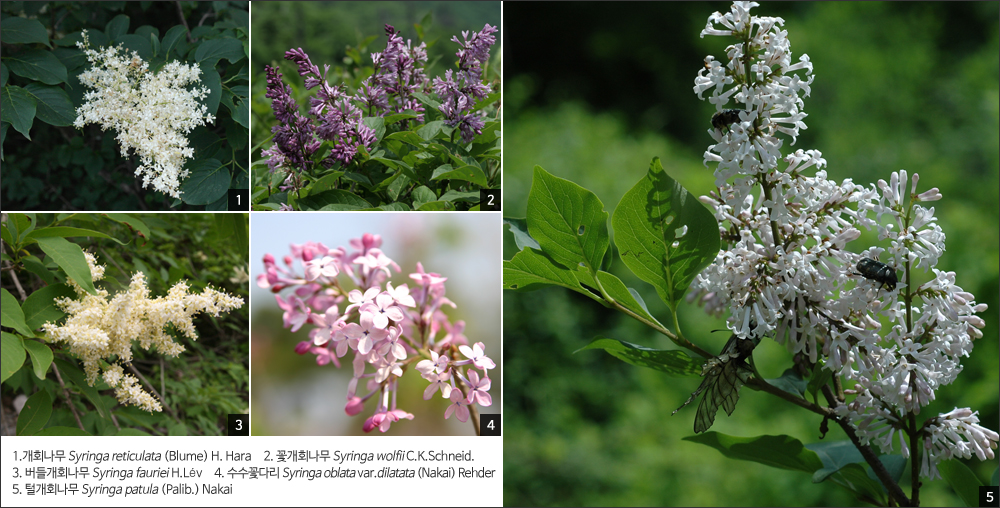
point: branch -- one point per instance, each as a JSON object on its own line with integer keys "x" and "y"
{"x": 65, "y": 392}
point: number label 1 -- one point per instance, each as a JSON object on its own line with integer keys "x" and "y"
{"x": 238, "y": 425}
{"x": 489, "y": 200}
{"x": 238, "y": 201}
{"x": 489, "y": 424}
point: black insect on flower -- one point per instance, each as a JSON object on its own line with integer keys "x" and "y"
{"x": 725, "y": 118}
{"x": 878, "y": 272}
{"x": 724, "y": 375}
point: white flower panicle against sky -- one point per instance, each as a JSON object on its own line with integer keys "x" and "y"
{"x": 152, "y": 112}
{"x": 788, "y": 272}
{"x": 99, "y": 330}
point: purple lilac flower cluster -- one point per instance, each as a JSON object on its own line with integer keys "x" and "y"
{"x": 460, "y": 91}
{"x": 386, "y": 329}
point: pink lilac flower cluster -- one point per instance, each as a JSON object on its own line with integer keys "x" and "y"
{"x": 460, "y": 91}
{"x": 388, "y": 329}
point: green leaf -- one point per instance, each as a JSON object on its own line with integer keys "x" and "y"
{"x": 35, "y": 414}
{"x": 210, "y": 52}
{"x": 72, "y": 374}
{"x": 820, "y": 376}
{"x": 436, "y": 206}
{"x": 531, "y": 269}
{"x": 133, "y": 224}
{"x": 52, "y": 104}
{"x": 783, "y": 452}
{"x": 18, "y": 30}
{"x": 41, "y": 356}
{"x": 422, "y": 195}
{"x": 568, "y": 221}
{"x": 171, "y": 39}
{"x": 11, "y": 315}
{"x": 4, "y": 74}
{"x": 117, "y": 27}
{"x": 336, "y": 199}
{"x": 467, "y": 173}
{"x": 17, "y": 107}
{"x": 131, "y": 432}
{"x": 35, "y": 266}
{"x": 69, "y": 257}
{"x": 242, "y": 113}
{"x": 519, "y": 228}
{"x": 208, "y": 181}
{"x": 377, "y": 124}
{"x": 325, "y": 183}
{"x": 835, "y": 455}
{"x": 407, "y": 137}
{"x": 11, "y": 355}
{"x": 454, "y": 195}
{"x": 965, "y": 483}
{"x": 665, "y": 236}
{"x": 854, "y": 478}
{"x": 39, "y": 308}
{"x": 790, "y": 382}
{"x": 38, "y": 65}
{"x": 673, "y": 362}
{"x": 894, "y": 465}
{"x": 616, "y": 289}
{"x": 430, "y": 130}
{"x": 68, "y": 232}
{"x": 136, "y": 43}
{"x": 211, "y": 79}
{"x": 178, "y": 429}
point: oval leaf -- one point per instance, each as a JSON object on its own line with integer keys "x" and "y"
{"x": 35, "y": 414}
{"x": 568, "y": 221}
{"x": 69, "y": 257}
{"x": 17, "y": 107}
{"x": 41, "y": 356}
{"x": 673, "y": 362}
{"x": 531, "y": 269}
{"x": 664, "y": 234}
{"x": 18, "y": 30}
{"x": 467, "y": 173}
{"x": 208, "y": 181}
{"x": 783, "y": 452}
{"x": 210, "y": 52}
{"x": 962, "y": 479}
{"x": 40, "y": 308}
{"x": 11, "y": 355}
{"x": 39, "y": 65}
{"x": 52, "y": 104}
{"x": 11, "y": 314}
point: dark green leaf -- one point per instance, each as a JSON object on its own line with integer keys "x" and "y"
{"x": 11, "y": 315}
{"x": 17, "y": 107}
{"x": 62, "y": 431}
{"x": 117, "y": 27}
{"x": 17, "y": 30}
{"x": 835, "y": 455}
{"x": 820, "y": 376}
{"x": 69, "y": 257}
{"x": 41, "y": 356}
{"x": 783, "y": 452}
{"x": 436, "y": 206}
{"x": 39, "y": 65}
{"x": 210, "y": 52}
{"x": 35, "y": 266}
{"x": 467, "y": 173}
{"x": 39, "y": 307}
{"x": 790, "y": 382}
{"x": 894, "y": 465}
{"x": 211, "y": 79}
{"x": 68, "y": 232}
{"x": 137, "y": 43}
{"x": 673, "y": 362}
{"x": 208, "y": 181}
{"x": 568, "y": 221}
{"x": 170, "y": 40}
{"x": 422, "y": 195}
{"x": 35, "y": 414}
{"x": 52, "y": 104}
{"x": 454, "y": 195}
{"x": 336, "y": 199}
{"x": 4, "y": 74}
{"x": 133, "y": 224}
{"x": 965, "y": 483}
{"x": 665, "y": 236}
{"x": 11, "y": 354}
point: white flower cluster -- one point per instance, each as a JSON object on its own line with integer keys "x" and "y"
{"x": 151, "y": 111}
{"x": 98, "y": 329}
{"x": 787, "y": 271}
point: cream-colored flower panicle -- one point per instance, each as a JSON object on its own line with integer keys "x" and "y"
{"x": 152, "y": 112}
{"x": 97, "y": 329}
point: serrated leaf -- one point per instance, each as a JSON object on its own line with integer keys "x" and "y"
{"x": 35, "y": 414}
{"x": 11, "y": 314}
{"x": 69, "y": 257}
{"x": 673, "y": 362}
{"x": 665, "y": 235}
{"x": 782, "y": 451}
{"x": 52, "y": 105}
{"x": 567, "y": 221}
{"x": 41, "y": 356}
{"x": 11, "y": 355}
{"x": 40, "y": 308}
{"x": 17, "y": 107}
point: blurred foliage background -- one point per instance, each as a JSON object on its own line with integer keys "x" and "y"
{"x": 593, "y": 97}
{"x": 210, "y": 379}
{"x": 344, "y": 34}
{"x": 62, "y": 168}
{"x": 294, "y": 396}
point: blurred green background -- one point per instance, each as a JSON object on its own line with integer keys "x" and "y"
{"x": 326, "y": 29}
{"x": 291, "y": 395}
{"x": 597, "y": 90}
